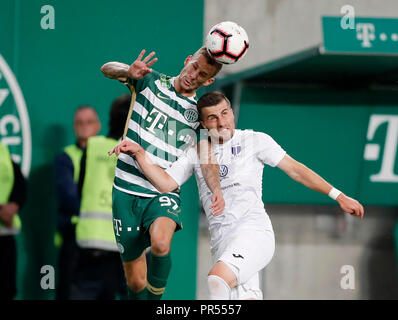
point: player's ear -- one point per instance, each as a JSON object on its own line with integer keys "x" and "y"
{"x": 187, "y": 60}
{"x": 208, "y": 82}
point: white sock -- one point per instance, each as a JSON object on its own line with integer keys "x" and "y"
{"x": 218, "y": 288}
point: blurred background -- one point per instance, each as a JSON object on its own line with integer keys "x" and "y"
{"x": 320, "y": 77}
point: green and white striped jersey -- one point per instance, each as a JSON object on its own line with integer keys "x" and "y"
{"x": 163, "y": 122}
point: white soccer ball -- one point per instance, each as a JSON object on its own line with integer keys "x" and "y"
{"x": 227, "y": 42}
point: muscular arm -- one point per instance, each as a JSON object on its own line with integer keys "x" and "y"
{"x": 115, "y": 70}
{"x": 156, "y": 175}
{"x": 137, "y": 70}
{"x": 211, "y": 174}
{"x": 300, "y": 173}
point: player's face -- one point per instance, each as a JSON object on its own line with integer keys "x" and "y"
{"x": 86, "y": 125}
{"x": 196, "y": 73}
{"x": 219, "y": 120}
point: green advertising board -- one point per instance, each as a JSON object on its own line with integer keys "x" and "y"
{"x": 360, "y": 35}
{"x": 50, "y": 58}
{"x": 350, "y": 138}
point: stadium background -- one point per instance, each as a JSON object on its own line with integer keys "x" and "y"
{"x": 318, "y": 105}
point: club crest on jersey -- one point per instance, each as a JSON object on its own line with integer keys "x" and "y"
{"x": 120, "y": 247}
{"x": 236, "y": 149}
{"x": 191, "y": 115}
{"x": 223, "y": 170}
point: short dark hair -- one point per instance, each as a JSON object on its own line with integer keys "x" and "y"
{"x": 118, "y": 115}
{"x": 211, "y": 99}
{"x": 209, "y": 59}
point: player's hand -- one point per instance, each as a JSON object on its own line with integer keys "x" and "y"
{"x": 140, "y": 69}
{"x": 126, "y": 147}
{"x": 218, "y": 203}
{"x": 350, "y": 205}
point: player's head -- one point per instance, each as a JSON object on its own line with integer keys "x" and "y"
{"x": 86, "y": 124}
{"x": 199, "y": 70}
{"x": 118, "y": 115}
{"x": 216, "y": 115}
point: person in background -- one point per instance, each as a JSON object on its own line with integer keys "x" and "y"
{"x": 12, "y": 200}
{"x": 99, "y": 272}
{"x": 67, "y": 170}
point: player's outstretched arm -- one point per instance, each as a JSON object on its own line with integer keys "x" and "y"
{"x": 211, "y": 174}
{"x": 156, "y": 175}
{"x": 137, "y": 70}
{"x": 310, "y": 179}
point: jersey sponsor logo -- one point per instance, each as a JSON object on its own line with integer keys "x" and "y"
{"x": 223, "y": 170}
{"x": 15, "y": 130}
{"x": 236, "y": 150}
{"x": 162, "y": 97}
{"x": 191, "y": 115}
{"x": 118, "y": 226}
{"x": 237, "y": 256}
{"x": 157, "y": 119}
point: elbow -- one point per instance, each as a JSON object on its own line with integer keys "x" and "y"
{"x": 103, "y": 68}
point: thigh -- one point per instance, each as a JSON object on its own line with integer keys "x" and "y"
{"x": 127, "y": 221}
{"x": 247, "y": 251}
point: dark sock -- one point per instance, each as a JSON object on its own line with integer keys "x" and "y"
{"x": 140, "y": 295}
{"x": 157, "y": 275}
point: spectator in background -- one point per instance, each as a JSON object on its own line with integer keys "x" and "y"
{"x": 99, "y": 271}
{"x": 12, "y": 199}
{"x": 67, "y": 170}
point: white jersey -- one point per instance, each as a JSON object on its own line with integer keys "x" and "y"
{"x": 241, "y": 161}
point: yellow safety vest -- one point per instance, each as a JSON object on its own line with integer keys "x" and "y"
{"x": 6, "y": 185}
{"x": 95, "y": 228}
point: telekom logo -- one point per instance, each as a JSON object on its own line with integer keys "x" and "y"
{"x": 372, "y": 150}
{"x": 365, "y": 33}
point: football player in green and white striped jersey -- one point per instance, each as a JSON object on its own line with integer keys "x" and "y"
{"x": 164, "y": 120}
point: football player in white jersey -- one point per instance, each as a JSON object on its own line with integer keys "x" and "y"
{"x": 242, "y": 237}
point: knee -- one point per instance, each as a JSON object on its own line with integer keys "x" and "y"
{"x": 218, "y": 288}
{"x": 136, "y": 283}
{"x": 160, "y": 245}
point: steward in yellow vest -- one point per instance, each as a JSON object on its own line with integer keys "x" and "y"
{"x": 66, "y": 173}
{"x": 6, "y": 186}
{"x": 99, "y": 272}
{"x": 12, "y": 199}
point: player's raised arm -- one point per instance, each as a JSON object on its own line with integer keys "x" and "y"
{"x": 310, "y": 179}
{"x": 137, "y": 70}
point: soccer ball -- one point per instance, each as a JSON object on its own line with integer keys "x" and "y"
{"x": 227, "y": 42}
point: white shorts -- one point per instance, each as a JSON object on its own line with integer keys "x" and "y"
{"x": 246, "y": 251}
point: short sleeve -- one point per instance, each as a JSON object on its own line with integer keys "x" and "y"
{"x": 269, "y": 151}
{"x": 182, "y": 169}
